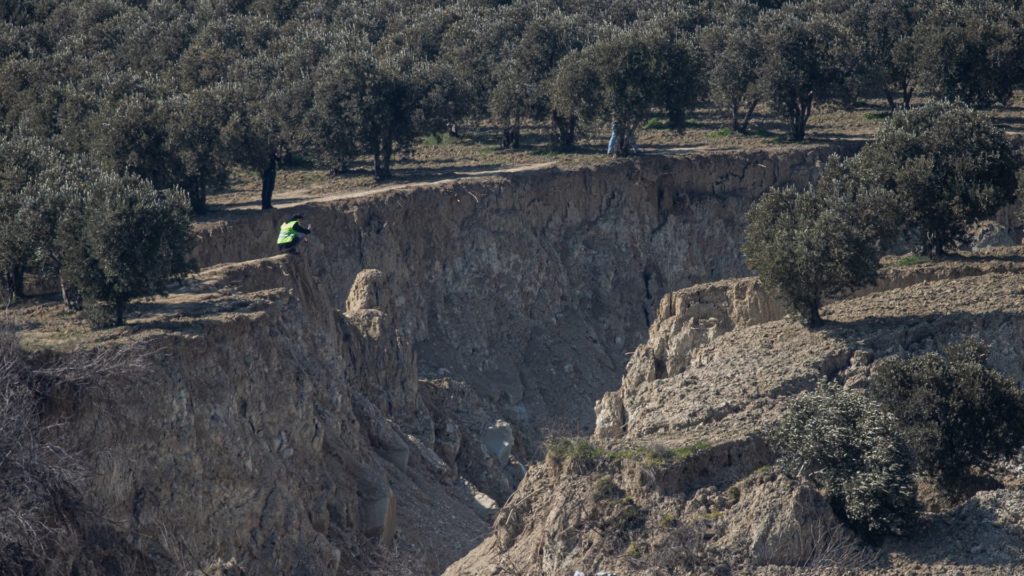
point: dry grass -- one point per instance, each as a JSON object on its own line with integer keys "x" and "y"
{"x": 39, "y": 476}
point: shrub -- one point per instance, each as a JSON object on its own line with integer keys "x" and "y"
{"x": 812, "y": 244}
{"x": 36, "y": 475}
{"x": 954, "y": 410}
{"x": 947, "y": 166}
{"x": 574, "y": 455}
{"x": 851, "y": 447}
{"x": 132, "y": 241}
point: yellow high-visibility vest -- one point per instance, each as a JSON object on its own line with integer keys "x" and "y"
{"x": 288, "y": 232}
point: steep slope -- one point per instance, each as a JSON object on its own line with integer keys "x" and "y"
{"x": 261, "y": 434}
{"x": 304, "y": 411}
{"x": 679, "y": 446}
{"x": 532, "y": 287}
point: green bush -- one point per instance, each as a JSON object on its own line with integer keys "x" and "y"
{"x": 850, "y": 446}
{"x": 25, "y": 159}
{"x": 812, "y": 244}
{"x": 574, "y": 455}
{"x": 969, "y": 51}
{"x": 947, "y": 167}
{"x": 955, "y": 411}
{"x": 131, "y": 242}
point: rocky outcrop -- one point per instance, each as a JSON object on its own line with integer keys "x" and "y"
{"x": 720, "y": 369}
{"x": 687, "y": 320}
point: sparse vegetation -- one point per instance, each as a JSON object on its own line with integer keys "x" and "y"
{"x": 955, "y": 411}
{"x": 851, "y": 447}
{"x": 911, "y": 260}
{"x": 39, "y": 476}
{"x": 606, "y": 489}
{"x": 580, "y": 455}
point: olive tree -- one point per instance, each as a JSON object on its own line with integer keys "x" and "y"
{"x": 196, "y": 159}
{"x": 733, "y": 52}
{"x": 575, "y": 91}
{"x": 519, "y": 92}
{"x": 808, "y": 59}
{"x": 947, "y": 166}
{"x": 955, "y": 411}
{"x": 640, "y": 69}
{"x": 132, "y": 241}
{"x": 970, "y": 51}
{"x": 24, "y": 160}
{"x": 807, "y": 245}
{"x": 51, "y": 207}
{"x": 889, "y": 55}
{"x": 377, "y": 100}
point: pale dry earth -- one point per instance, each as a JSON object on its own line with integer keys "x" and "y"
{"x": 363, "y": 406}
{"x": 720, "y": 366}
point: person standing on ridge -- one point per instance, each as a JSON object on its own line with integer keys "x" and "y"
{"x": 292, "y": 232}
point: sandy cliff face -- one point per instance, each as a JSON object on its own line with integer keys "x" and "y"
{"x": 341, "y": 409}
{"x": 679, "y": 447}
{"x": 533, "y": 287}
{"x": 280, "y": 431}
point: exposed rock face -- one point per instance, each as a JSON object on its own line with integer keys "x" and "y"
{"x": 687, "y": 320}
{"x": 720, "y": 368}
{"x": 532, "y": 287}
{"x": 284, "y": 433}
{"x": 298, "y": 438}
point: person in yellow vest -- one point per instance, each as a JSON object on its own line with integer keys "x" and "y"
{"x": 292, "y": 232}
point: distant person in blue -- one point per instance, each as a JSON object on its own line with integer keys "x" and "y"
{"x": 613, "y": 142}
{"x": 621, "y": 144}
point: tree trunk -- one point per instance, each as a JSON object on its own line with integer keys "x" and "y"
{"x": 626, "y": 145}
{"x": 908, "y": 93}
{"x": 510, "y": 137}
{"x": 197, "y": 198}
{"x": 377, "y": 168}
{"x": 734, "y": 114}
{"x": 813, "y": 317}
{"x": 69, "y": 294}
{"x": 120, "y": 305}
{"x": 15, "y": 278}
{"x": 809, "y": 309}
{"x": 890, "y": 99}
{"x": 269, "y": 177}
{"x": 745, "y": 126}
{"x": 565, "y": 132}
{"x": 382, "y": 160}
{"x": 800, "y": 114}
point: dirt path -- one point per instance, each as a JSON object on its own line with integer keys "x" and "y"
{"x": 232, "y": 205}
